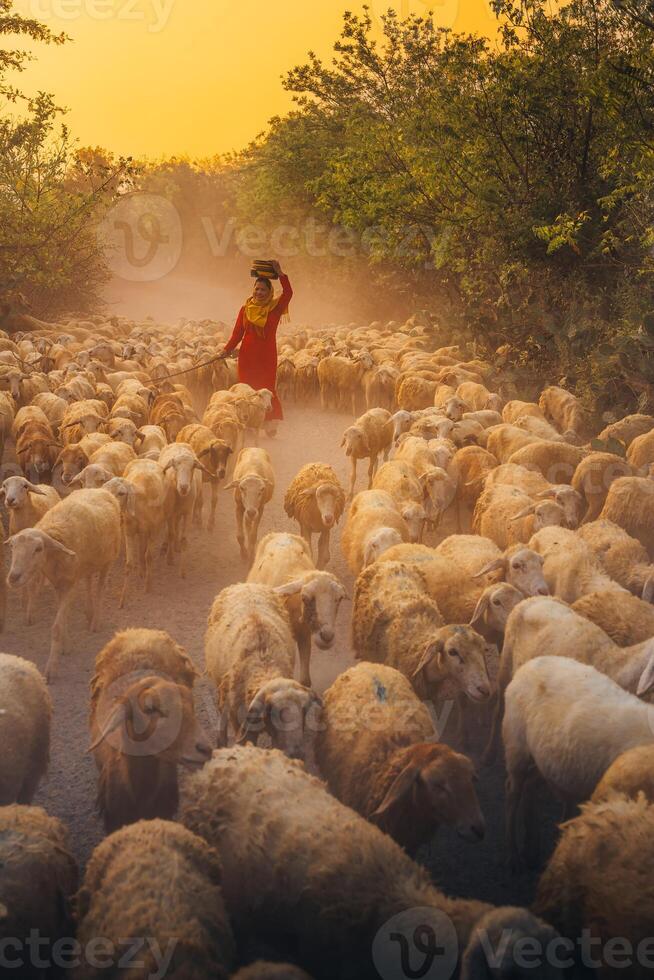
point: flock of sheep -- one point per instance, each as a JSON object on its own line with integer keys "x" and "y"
{"x": 534, "y": 621}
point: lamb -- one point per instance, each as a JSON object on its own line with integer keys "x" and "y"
{"x": 213, "y": 453}
{"x": 283, "y": 561}
{"x": 78, "y": 538}
{"x": 478, "y": 397}
{"x": 316, "y": 500}
{"x": 479, "y": 557}
{"x": 253, "y": 483}
{"x": 625, "y": 618}
{"x": 146, "y": 502}
{"x": 180, "y": 914}
{"x": 508, "y": 516}
{"x": 327, "y": 878}
{"x": 395, "y": 621}
{"x": 370, "y": 435}
{"x": 594, "y": 885}
{"x": 556, "y": 721}
{"x": 563, "y": 409}
{"x": 557, "y": 461}
{"x": 38, "y": 880}
{"x": 373, "y": 525}
{"x": 593, "y": 478}
{"x": 631, "y": 774}
{"x": 630, "y": 504}
{"x": 143, "y": 725}
{"x": 570, "y": 567}
{"x": 627, "y": 429}
{"x": 182, "y": 469}
{"x": 621, "y": 556}
{"x": 544, "y": 626}
{"x": 25, "y": 715}
{"x": 375, "y": 750}
{"x": 408, "y": 492}
{"x": 26, "y": 502}
{"x": 249, "y": 654}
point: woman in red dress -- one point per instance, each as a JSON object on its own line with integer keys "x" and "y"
{"x": 256, "y": 326}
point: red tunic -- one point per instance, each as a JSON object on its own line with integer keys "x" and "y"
{"x": 257, "y": 358}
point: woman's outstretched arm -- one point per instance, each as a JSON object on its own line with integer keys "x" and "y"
{"x": 237, "y": 334}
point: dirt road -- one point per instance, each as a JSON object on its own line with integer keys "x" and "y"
{"x": 181, "y": 607}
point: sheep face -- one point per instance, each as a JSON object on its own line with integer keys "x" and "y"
{"x": 494, "y": 403}
{"x": 124, "y": 430}
{"x": 288, "y": 712}
{"x": 321, "y": 600}
{"x": 456, "y": 661}
{"x": 440, "y": 490}
{"x": 401, "y": 423}
{"x": 436, "y": 786}
{"x": 265, "y": 397}
{"x": 15, "y": 492}
{"x": 495, "y": 605}
{"x": 355, "y": 442}
{"x": 455, "y": 408}
{"x": 379, "y": 542}
{"x": 29, "y": 552}
{"x": 73, "y": 460}
{"x": 124, "y": 492}
{"x": 571, "y": 502}
{"x": 548, "y": 514}
{"x": 218, "y": 454}
{"x": 156, "y": 717}
{"x": 327, "y": 504}
{"x": 92, "y": 477}
{"x": 182, "y": 469}
{"x": 414, "y": 516}
{"x": 252, "y": 490}
{"x": 524, "y": 570}
{"x": 90, "y": 423}
{"x": 442, "y": 451}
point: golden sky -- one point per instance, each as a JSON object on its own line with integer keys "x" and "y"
{"x": 158, "y": 77}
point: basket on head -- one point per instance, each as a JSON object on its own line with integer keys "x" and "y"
{"x": 262, "y": 268}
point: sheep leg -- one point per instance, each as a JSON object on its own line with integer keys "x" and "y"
{"x": 304, "y": 657}
{"x": 214, "y": 503}
{"x": 323, "y": 549}
{"x": 371, "y": 471}
{"x": 307, "y": 535}
{"x": 517, "y": 772}
{"x": 354, "y": 402}
{"x": 240, "y": 534}
{"x": 353, "y": 476}
{"x": 198, "y": 507}
{"x": 182, "y": 544}
{"x": 99, "y": 595}
{"x": 58, "y": 633}
{"x": 323, "y": 398}
{"x": 89, "y": 601}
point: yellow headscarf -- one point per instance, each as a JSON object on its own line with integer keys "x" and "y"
{"x": 257, "y": 313}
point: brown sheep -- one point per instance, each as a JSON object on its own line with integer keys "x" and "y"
{"x": 630, "y": 504}
{"x": 326, "y": 880}
{"x": 593, "y": 478}
{"x": 38, "y": 878}
{"x": 213, "y": 453}
{"x": 557, "y": 461}
{"x": 621, "y": 556}
{"x": 563, "y": 409}
{"x": 630, "y": 774}
{"x": 143, "y": 685}
{"x": 158, "y": 881}
{"x": 373, "y": 749}
{"x": 627, "y": 619}
{"x": 316, "y": 500}
{"x": 627, "y": 429}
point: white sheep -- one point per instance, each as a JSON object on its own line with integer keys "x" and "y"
{"x": 570, "y": 722}
{"x": 571, "y": 568}
{"x": 253, "y": 483}
{"x": 79, "y": 538}
{"x": 371, "y": 435}
{"x": 283, "y": 561}
{"x": 373, "y": 525}
{"x": 25, "y": 716}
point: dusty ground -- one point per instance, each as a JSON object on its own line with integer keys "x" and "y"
{"x": 181, "y": 607}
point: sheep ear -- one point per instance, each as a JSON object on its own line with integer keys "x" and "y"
{"x": 492, "y": 566}
{"x": 428, "y": 655}
{"x": 58, "y": 546}
{"x": 116, "y": 720}
{"x": 648, "y": 590}
{"x": 548, "y": 494}
{"x": 342, "y": 442}
{"x": 309, "y": 492}
{"x": 397, "y": 791}
{"x": 646, "y": 681}
{"x": 291, "y": 588}
{"x": 480, "y": 608}
{"x": 232, "y": 485}
{"x": 139, "y": 436}
{"x": 525, "y": 512}
{"x": 254, "y": 721}
{"x": 33, "y": 488}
